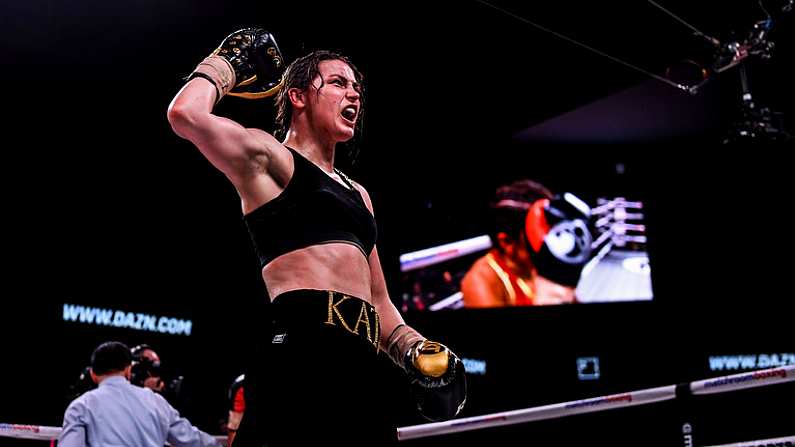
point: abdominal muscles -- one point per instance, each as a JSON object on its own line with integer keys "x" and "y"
{"x": 337, "y": 266}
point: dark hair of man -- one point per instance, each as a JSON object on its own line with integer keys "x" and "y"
{"x": 111, "y": 356}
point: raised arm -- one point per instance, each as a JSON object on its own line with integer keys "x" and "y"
{"x": 230, "y": 147}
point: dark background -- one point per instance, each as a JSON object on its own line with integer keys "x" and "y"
{"x": 103, "y": 205}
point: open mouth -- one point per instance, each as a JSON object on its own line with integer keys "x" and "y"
{"x": 349, "y": 113}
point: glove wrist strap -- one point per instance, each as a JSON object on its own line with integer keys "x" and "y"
{"x": 403, "y": 338}
{"x": 219, "y": 71}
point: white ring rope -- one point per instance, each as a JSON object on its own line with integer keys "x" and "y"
{"x": 745, "y": 380}
{"x": 539, "y": 413}
{"x": 44, "y": 433}
{"x": 786, "y": 441}
{"x": 715, "y": 385}
{"x": 722, "y": 384}
{"x": 23, "y": 431}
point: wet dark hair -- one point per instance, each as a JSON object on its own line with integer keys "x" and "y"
{"x": 299, "y": 75}
{"x": 111, "y": 356}
{"x": 509, "y": 208}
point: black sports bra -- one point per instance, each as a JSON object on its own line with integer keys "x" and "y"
{"x": 312, "y": 209}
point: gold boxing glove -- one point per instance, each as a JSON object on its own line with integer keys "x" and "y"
{"x": 438, "y": 380}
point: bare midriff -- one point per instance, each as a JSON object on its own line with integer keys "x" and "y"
{"x": 337, "y": 266}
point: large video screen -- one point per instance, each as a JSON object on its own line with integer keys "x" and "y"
{"x": 587, "y": 244}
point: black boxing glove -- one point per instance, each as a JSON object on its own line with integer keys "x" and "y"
{"x": 438, "y": 382}
{"x": 436, "y": 375}
{"x": 559, "y": 239}
{"x": 247, "y": 64}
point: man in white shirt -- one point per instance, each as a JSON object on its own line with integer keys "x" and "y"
{"x": 118, "y": 413}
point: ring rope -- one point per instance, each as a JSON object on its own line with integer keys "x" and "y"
{"x": 715, "y": 385}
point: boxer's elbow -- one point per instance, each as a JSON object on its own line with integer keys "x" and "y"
{"x": 182, "y": 117}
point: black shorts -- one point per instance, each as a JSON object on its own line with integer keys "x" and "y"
{"x": 316, "y": 379}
